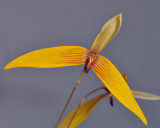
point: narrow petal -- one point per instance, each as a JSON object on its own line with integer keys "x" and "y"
{"x": 144, "y": 95}
{"x": 51, "y": 57}
{"x": 82, "y": 113}
{"x": 116, "y": 84}
{"x": 107, "y": 33}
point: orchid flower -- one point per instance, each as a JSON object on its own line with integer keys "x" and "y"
{"x": 80, "y": 114}
{"x": 76, "y": 55}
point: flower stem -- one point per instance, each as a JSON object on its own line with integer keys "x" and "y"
{"x": 70, "y": 97}
{"x": 84, "y": 98}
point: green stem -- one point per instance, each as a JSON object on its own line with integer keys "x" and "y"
{"x": 70, "y": 97}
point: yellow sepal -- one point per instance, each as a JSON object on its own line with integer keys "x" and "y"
{"x": 107, "y": 33}
{"x": 117, "y": 85}
{"x": 51, "y": 57}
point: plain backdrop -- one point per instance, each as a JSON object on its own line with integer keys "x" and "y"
{"x": 34, "y": 98}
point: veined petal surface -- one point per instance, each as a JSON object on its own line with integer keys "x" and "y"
{"x": 82, "y": 113}
{"x": 107, "y": 33}
{"x": 51, "y": 57}
{"x": 117, "y": 85}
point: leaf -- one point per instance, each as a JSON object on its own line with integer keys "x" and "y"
{"x": 82, "y": 113}
{"x": 144, "y": 95}
{"x": 51, "y": 57}
{"x": 107, "y": 33}
{"x": 116, "y": 84}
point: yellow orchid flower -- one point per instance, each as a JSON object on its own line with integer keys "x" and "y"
{"x": 80, "y": 114}
{"x": 75, "y": 55}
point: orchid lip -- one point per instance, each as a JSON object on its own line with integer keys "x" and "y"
{"x": 89, "y": 62}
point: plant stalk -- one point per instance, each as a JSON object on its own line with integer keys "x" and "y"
{"x": 70, "y": 97}
{"x": 84, "y": 98}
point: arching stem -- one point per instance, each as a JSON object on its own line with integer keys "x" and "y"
{"x": 84, "y": 98}
{"x": 70, "y": 97}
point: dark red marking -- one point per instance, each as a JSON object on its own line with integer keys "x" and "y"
{"x": 89, "y": 62}
{"x": 88, "y": 65}
{"x": 111, "y": 100}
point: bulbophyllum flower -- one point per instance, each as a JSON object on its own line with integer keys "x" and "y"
{"x": 76, "y": 55}
{"x": 80, "y": 114}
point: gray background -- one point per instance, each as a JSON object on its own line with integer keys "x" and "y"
{"x": 34, "y": 98}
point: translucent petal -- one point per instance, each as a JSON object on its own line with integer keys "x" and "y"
{"x": 51, "y": 57}
{"x": 144, "y": 95}
{"x": 82, "y": 113}
{"x": 116, "y": 84}
{"x": 107, "y": 33}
